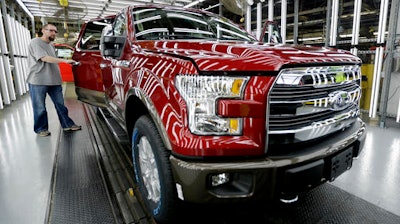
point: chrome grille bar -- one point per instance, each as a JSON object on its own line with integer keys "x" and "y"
{"x": 314, "y": 101}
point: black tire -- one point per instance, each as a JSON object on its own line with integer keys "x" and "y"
{"x": 153, "y": 174}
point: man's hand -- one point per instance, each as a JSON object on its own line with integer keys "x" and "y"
{"x": 70, "y": 61}
{"x": 50, "y": 59}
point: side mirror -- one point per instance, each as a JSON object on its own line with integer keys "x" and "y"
{"x": 111, "y": 46}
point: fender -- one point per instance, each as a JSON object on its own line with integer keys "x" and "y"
{"x": 142, "y": 84}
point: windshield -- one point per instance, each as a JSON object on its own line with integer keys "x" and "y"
{"x": 156, "y": 23}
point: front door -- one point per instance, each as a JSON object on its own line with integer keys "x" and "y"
{"x": 114, "y": 68}
{"x": 88, "y": 77}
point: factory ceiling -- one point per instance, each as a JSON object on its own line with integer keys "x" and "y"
{"x": 312, "y": 13}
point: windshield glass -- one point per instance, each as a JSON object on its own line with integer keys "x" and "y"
{"x": 156, "y": 23}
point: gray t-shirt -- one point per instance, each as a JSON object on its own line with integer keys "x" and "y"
{"x": 42, "y": 73}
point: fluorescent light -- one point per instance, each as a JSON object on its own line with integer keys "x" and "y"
{"x": 120, "y": 2}
{"x": 114, "y": 7}
{"x": 310, "y": 38}
{"x": 80, "y": 2}
{"x": 398, "y": 112}
{"x": 193, "y": 3}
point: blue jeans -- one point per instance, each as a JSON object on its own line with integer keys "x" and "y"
{"x": 38, "y": 97}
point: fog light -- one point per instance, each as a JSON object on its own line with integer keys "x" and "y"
{"x": 219, "y": 179}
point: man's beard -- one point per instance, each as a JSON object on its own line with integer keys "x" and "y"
{"x": 52, "y": 38}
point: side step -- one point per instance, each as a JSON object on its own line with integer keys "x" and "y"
{"x": 116, "y": 163}
{"x": 115, "y": 128}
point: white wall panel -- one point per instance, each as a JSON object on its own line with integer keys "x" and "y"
{"x": 17, "y": 66}
{"x": 6, "y": 79}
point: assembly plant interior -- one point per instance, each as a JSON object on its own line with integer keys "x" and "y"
{"x": 87, "y": 176}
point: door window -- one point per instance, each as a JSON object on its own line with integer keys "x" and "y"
{"x": 120, "y": 25}
{"x": 91, "y": 38}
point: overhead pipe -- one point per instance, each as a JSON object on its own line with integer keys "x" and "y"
{"x": 22, "y": 5}
{"x": 28, "y": 12}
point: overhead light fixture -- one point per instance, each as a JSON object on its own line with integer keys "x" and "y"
{"x": 193, "y": 3}
{"x": 63, "y": 3}
{"x": 121, "y": 2}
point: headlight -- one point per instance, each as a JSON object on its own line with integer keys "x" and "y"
{"x": 201, "y": 94}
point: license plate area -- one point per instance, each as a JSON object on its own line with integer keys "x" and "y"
{"x": 340, "y": 163}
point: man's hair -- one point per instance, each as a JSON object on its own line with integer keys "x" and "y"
{"x": 47, "y": 25}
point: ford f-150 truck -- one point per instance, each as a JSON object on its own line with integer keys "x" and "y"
{"x": 215, "y": 115}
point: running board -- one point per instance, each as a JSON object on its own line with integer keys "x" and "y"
{"x": 115, "y": 128}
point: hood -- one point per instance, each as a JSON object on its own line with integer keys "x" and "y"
{"x": 240, "y": 56}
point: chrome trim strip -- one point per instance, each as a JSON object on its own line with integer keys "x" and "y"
{"x": 335, "y": 101}
{"x": 320, "y": 128}
{"x": 319, "y": 76}
{"x": 95, "y": 98}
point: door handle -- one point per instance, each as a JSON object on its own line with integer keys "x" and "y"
{"x": 102, "y": 65}
{"x": 123, "y": 63}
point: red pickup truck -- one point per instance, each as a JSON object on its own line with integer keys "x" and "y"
{"x": 214, "y": 114}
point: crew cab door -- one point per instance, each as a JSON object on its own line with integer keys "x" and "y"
{"x": 88, "y": 78}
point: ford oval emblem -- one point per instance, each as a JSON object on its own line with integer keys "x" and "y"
{"x": 339, "y": 100}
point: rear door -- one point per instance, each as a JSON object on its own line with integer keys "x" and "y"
{"x": 88, "y": 77}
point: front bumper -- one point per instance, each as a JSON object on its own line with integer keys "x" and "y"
{"x": 270, "y": 178}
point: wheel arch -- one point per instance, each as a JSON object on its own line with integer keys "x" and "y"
{"x": 138, "y": 104}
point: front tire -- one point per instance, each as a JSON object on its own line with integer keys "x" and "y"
{"x": 153, "y": 174}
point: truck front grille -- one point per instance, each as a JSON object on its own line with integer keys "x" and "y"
{"x": 312, "y": 102}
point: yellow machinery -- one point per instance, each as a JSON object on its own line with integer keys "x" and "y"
{"x": 367, "y": 71}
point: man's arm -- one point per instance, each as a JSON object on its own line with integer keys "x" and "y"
{"x": 50, "y": 59}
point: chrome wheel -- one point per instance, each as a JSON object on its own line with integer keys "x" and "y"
{"x": 149, "y": 171}
{"x": 153, "y": 172}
